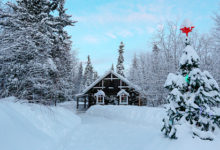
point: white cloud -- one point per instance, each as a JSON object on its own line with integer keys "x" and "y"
{"x": 150, "y": 29}
{"x": 111, "y": 35}
{"x": 91, "y": 39}
{"x": 125, "y": 33}
{"x": 111, "y": 17}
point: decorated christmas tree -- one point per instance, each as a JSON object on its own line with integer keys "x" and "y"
{"x": 192, "y": 98}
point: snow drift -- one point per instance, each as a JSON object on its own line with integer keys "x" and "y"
{"x": 131, "y": 114}
{"x": 146, "y": 124}
{"x": 33, "y": 127}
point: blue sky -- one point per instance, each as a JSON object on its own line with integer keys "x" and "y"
{"x": 103, "y": 24}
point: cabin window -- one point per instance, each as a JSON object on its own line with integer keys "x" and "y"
{"x": 123, "y": 99}
{"x": 100, "y": 99}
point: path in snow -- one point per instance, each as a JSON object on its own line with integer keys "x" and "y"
{"x": 99, "y": 133}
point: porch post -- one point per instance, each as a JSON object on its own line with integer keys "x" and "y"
{"x": 77, "y": 102}
{"x": 139, "y": 101}
{"x": 85, "y": 102}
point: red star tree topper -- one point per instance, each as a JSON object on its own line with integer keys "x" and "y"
{"x": 186, "y": 27}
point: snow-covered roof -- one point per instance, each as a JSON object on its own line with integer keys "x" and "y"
{"x": 122, "y": 91}
{"x": 100, "y": 92}
{"x": 131, "y": 85}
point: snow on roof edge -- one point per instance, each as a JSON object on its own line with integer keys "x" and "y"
{"x": 122, "y": 91}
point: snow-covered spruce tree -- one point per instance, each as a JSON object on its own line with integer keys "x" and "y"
{"x": 156, "y": 90}
{"x": 120, "y": 65}
{"x": 95, "y": 76}
{"x": 80, "y": 78}
{"x": 30, "y": 36}
{"x": 88, "y": 73}
{"x": 134, "y": 75}
{"x": 112, "y": 68}
{"x": 193, "y": 94}
{"x": 27, "y": 68}
{"x": 61, "y": 53}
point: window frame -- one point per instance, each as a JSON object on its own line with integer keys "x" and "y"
{"x": 97, "y": 99}
{"x": 126, "y": 100}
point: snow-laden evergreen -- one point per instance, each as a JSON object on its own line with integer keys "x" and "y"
{"x": 35, "y": 59}
{"x": 134, "y": 72}
{"x": 113, "y": 68}
{"x": 193, "y": 94}
{"x": 27, "y": 69}
{"x": 95, "y": 75}
{"x": 65, "y": 62}
{"x": 120, "y": 65}
{"x": 80, "y": 78}
{"x": 89, "y": 74}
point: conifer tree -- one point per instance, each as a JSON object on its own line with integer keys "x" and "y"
{"x": 80, "y": 78}
{"x": 193, "y": 94}
{"x": 112, "y": 68}
{"x": 27, "y": 68}
{"x": 61, "y": 53}
{"x": 156, "y": 81}
{"x": 34, "y": 46}
{"x": 134, "y": 71}
{"x": 89, "y": 73}
{"x": 120, "y": 65}
{"x": 95, "y": 76}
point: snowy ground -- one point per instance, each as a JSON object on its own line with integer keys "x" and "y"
{"x": 33, "y": 127}
{"x": 28, "y": 126}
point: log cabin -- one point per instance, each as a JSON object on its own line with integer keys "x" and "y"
{"x": 110, "y": 89}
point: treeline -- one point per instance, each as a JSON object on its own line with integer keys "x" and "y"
{"x": 149, "y": 70}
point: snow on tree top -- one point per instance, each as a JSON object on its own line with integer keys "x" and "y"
{"x": 189, "y": 56}
{"x": 186, "y": 23}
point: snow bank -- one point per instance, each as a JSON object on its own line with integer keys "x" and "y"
{"x": 70, "y": 105}
{"x": 26, "y": 126}
{"x": 136, "y": 128}
{"x": 133, "y": 114}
